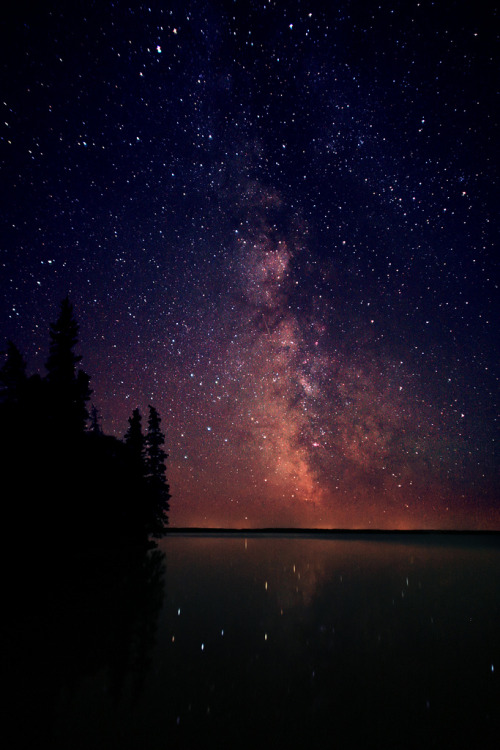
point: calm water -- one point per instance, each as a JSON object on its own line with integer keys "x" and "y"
{"x": 270, "y": 642}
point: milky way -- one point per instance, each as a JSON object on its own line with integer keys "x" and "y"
{"x": 277, "y": 223}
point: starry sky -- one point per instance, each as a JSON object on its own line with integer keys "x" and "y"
{"x": 276, "y": 223}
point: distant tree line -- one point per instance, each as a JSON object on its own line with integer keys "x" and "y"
{"x": 65, "y": 481}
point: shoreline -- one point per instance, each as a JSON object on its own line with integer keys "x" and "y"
{"x": 292, "y": 531}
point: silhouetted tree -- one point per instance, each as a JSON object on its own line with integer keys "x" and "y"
{"x": 136, "y": 501}
{"x": 14, "y": 447}
{"x": 62, "y": 361}
{"x": 156, "y": 474}
{"x": 12, "y": 376}
{"x": 21, "y": 448}
{"x": 95, "y": 425}
{"x": 68, "y": 388}
{"x": 96, "y": 489}
{"x": 135, "y": 442}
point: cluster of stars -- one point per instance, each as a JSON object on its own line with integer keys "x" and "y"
{"x": 277, "y": 224}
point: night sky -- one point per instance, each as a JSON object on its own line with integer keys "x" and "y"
{"x": 276, "y": 223}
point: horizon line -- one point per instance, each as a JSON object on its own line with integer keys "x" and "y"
{"x": 315, "y": 531}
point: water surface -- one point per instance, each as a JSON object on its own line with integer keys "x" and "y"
{"x": 289, "y": 641}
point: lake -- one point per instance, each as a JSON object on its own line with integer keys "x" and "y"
{"x": 266, "y": 641}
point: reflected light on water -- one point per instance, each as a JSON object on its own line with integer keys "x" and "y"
{"x": 274, "y": 641}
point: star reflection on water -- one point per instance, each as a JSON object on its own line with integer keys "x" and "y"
{"x": 274, "y": 639}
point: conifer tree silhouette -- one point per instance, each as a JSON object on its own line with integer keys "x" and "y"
{"x": 12, "y": 376}
{"x": 156, "y": 474}
{"x": 136, "y": 505}
{"x": 68, "y": 389}
{"x": 97, "y": 490}
{"x": 95, "y": 425}
{"x": 14, "y": 424}
{"x": 135, "y": 442}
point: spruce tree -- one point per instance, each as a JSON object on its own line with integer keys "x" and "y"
{"x": 62, "y": 361}
{"x": 12, "y": 376}
{"x": 135, "y": 501}
{"x": 158, "y": 487}
{"x": 134, "y": 440}
{"x": 68, "y": 388}
{"x": 14, "y": 417}
{"x": 95, "y": 425}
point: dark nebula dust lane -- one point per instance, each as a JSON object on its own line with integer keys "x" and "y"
{"x": 276, "y": 223}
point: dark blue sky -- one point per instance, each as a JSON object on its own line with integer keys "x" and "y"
{"x": 276, "y": 223}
